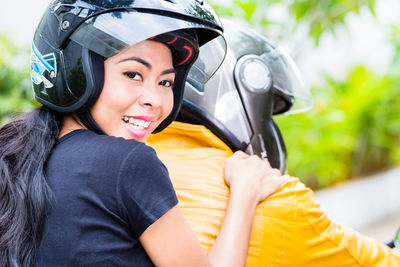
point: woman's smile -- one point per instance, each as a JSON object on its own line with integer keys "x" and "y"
{"x": 138, "y": 126}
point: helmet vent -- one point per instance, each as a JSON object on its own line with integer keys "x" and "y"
{"x": 65, "y": 24}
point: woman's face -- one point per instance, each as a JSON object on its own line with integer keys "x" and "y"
{"x": 137, "y": 93}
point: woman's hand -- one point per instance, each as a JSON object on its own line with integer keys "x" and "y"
{"x": 251, "y": 177}
{"x": 251, "y": 180}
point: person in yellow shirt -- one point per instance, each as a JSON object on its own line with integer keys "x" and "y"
{"x": 233, "y": 111}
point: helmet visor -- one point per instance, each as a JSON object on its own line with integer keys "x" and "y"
{"x": 287, "y": 79}
{"x": 109, "y": 33}
{"x": 211, "y": 56}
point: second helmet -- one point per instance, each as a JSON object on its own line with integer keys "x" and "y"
{"x": 256, "y": 81}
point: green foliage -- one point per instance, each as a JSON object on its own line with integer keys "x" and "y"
{"x": 353, "y": 130}
{"x": 15, "y": 86}
{"x": 319, "y": 15}
{"x": 325, "y": 15}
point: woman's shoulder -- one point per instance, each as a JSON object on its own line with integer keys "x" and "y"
{"x": 84, "y": 151}
{"x": 84, "y": 147}
{"x": 102, "y": 144}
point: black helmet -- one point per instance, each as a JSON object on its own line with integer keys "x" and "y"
{"x": 256, "y": 81}
{"x": 75, "y": 36}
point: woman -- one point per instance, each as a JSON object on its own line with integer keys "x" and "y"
{"x": 78, "y": 186}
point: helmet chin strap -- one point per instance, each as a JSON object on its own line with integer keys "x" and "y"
{"x": 87, "y": 120}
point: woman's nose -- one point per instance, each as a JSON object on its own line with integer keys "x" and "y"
{"x": 151, "y": 97}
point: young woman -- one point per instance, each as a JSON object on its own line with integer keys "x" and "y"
{"x": 78, "y": 185}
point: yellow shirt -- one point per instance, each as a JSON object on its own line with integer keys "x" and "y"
{"x": 290, "y": 228}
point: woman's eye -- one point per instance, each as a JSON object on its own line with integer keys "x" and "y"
{"x": 166, "y": 83}
{"x": 133, "y": 75}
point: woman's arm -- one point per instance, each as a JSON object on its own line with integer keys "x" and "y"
{"x": 170, "y": 242}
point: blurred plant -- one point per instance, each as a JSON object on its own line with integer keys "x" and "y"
{"x": 353, "y": 130}
{"x": 318, "y": 16}
{"x": 15, "y": 87}
{"x": 325, "y": 15}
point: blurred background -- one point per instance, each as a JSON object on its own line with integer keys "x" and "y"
{"x": 348, "y": 53}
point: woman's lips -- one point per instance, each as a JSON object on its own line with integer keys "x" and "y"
{"x": 138, "y": 126}
{"x": 144, "y": 118}
{"x": 136, "y": 132}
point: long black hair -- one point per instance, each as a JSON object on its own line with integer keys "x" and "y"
{"x": 25, "y": 197}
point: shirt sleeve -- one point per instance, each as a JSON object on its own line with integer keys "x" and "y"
{"x": 144, "y": 189}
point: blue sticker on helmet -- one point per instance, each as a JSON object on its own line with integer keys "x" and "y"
{"x": 40, "y": 64}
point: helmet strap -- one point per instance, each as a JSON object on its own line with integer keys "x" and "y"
{"x": 94, "y": 64}
{"x": 87, "y": 120}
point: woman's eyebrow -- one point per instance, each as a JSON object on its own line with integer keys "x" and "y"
{"x": 147, "y": 64}
{"x": 137, "y": 59}
{"x": 168, "y": 71}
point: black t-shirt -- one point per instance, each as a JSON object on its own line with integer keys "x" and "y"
{"x": 107, "y": 192}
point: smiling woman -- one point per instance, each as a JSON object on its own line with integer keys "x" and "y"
{"x": 137, "y": 92}
{"x": 78, "y": 185}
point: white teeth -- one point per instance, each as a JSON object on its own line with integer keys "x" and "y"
{"x": 135, "y": 123}
{"x": 142, "y": 123}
